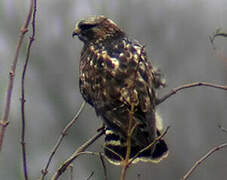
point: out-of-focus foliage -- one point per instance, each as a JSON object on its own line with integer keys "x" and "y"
{"x": 176, "y": 37}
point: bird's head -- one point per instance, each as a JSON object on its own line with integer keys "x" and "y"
{"x": 96, "y": 29}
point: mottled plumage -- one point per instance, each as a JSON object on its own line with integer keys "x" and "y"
{"x": 115, "y": 75}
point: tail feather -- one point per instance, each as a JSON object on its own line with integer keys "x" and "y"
{"x": 115, "y": 150}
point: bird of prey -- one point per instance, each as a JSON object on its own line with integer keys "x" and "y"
{"x": 119, "y": 82}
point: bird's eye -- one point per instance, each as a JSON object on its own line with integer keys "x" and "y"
{"x": 86, "y": 26}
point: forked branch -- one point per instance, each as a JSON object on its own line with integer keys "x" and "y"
{"x": 63, "y": 134}
{"x": 64, "y": 166}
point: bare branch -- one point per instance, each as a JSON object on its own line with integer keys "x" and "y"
{"x": 103, "y": 165}
{"x": 92, "y": 173}
{"x": 112, "y": 151}
{"x": 186, "y": 86}
{"x": 63, "y": 134}
{"x": 131, "y": 128}
{"x": 88, "y": 153}
{"x": 197, "y": 163}
{"x": 222, "y": 128}
{"x": 218, "y": 33}
{"x": 83, "y": 147}
{"x": 23, "y": 94}
{"x": 218, "y": 53}
{"x": 71, "y": 172}
{"x": 4, "y": 121}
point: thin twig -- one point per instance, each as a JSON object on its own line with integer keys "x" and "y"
{"x": 130, "y": 127}
{"x": 64, "y": 166}
{"x": 112, "y": 151}
{"x": 88, "y": 153}
{"x": 197, "y": 163}
{"x": 223, "y": 34}
{"x": 216, "y": 34}
{"x": 4, "y": 121}
{"x": 92, "y": 173}
{"x": 103, "y": 165}
{"x": 222, "y": 128}
{"x": 174, "y": 91}
{"x": 150, "y": 145}
{"x": 63, "y": 134}
{"x": 128, "y": 143}
{"x": 23, "y": 93}
{"x": 127, "y": 163}
{"x": 218, "y": 53}
{"x": 71, "y": 172}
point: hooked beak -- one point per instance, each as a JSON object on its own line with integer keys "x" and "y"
{"x": 75, "y": 32}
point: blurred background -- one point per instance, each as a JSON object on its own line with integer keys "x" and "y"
{"x": 176, "y": 34}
